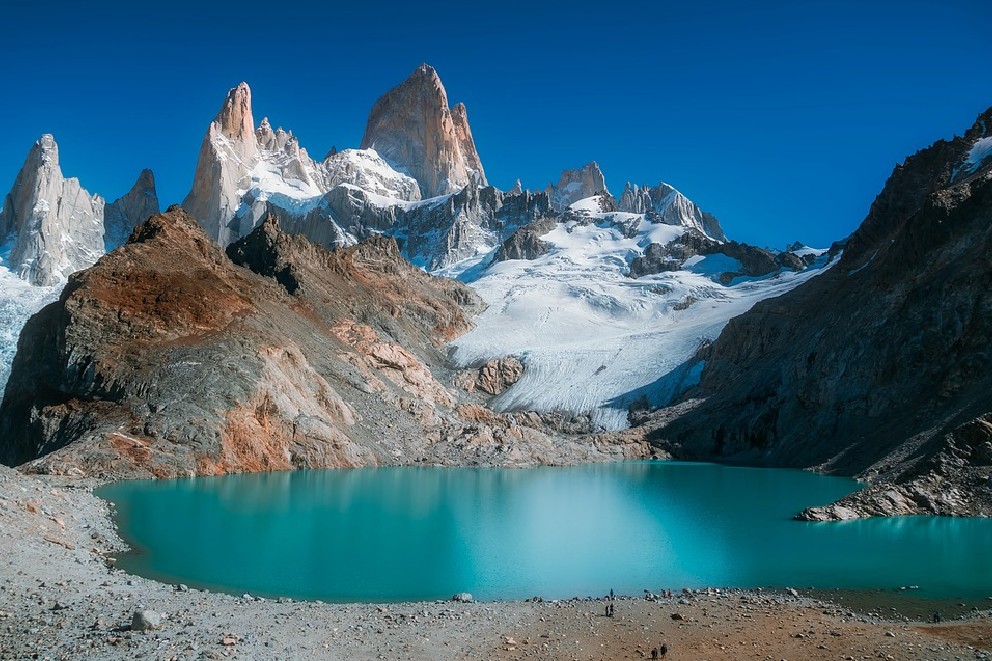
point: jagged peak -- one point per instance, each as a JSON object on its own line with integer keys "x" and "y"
{"x": 47, "y": 149}
{"x": 590, "y": 171}
{"x": 426, "y": 77}
{"x": 982, "y": 128}
{"x": 235, "y": 116}
{"x": 425, "y": 71}
{"x": 146, "y": 179}
{"x": 47, "y": 141}
{"x": 416, "y": 132}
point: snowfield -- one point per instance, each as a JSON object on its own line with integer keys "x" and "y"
{"x": 594, "y": 341}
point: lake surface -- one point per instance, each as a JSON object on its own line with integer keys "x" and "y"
{"x": 410, "y": 533}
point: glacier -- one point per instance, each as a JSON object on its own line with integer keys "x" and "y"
{"x": 592, "y": 340}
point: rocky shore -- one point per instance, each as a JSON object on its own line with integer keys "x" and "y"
{"x": 62, "y": 598}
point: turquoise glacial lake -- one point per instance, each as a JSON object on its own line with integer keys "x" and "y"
{"x": 410, "y": 533}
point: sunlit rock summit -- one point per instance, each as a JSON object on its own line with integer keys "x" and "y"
{"x": 414, "y": 130}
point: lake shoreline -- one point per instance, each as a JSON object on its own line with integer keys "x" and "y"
{"x": 60, "y": 597}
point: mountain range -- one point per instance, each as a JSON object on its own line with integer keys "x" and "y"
{"x": 287, "y": 300}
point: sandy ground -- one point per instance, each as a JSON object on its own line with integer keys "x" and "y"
{"x": 59, "y": 599}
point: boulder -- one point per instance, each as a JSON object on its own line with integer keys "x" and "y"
{"x": 146, "y": 620}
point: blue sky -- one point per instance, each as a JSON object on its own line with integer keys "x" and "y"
{"x": 784, "y": 119}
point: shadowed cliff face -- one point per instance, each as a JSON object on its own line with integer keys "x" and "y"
{"x": 171, "y": 357}
{"x": 879, "y": 366}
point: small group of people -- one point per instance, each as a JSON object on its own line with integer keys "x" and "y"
{"x": 660, "y": 652}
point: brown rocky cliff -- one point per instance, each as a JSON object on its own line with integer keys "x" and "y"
{"x": 872, "y": 368}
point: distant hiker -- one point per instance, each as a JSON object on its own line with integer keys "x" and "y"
{"x": 654, "y": 652}
{"x": 611, "y": 610}
{"x": 611, "y": 594}
{"x": 663, "y": 649}
{"x": 936, "y": 618}
{"x": 606, "y": 610}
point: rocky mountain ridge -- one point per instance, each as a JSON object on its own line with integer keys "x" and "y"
{"x": 417, "y": 177}
{"x": 56, "y": 227}
{"x": 878, "y": 368}
{"x": 633, "y": 286}
{"x": 170, "y": 357}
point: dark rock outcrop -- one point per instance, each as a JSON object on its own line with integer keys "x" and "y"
{"x": 526, "y": 242}
{"x": 499, "y": 374}
{"x": 435, "y": 236}
{"x": 754, "y": 262}
{"x": 878, "y": 368}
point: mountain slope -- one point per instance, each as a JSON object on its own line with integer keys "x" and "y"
{"x": 880, "y": 368}
{"x": 170, "y": 357}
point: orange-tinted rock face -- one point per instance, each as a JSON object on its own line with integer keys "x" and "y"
{"x": 413, "y": 129}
